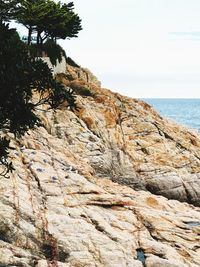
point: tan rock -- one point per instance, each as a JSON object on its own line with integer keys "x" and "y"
{"x": 61, "y": 207}
{"x": 51, "y": 215}
{"x": 125, "y": 140}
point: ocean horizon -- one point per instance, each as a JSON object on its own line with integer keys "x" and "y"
{"x": 185, "y": 111}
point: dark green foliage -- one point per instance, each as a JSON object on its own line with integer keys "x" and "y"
{"x": 85, "y": 92}
{"x": 4, "y": 153}
{"x": 48, "y": 19}
{"x": 50, "y": 49}
{"x": 54, "y": 51}
{"x": 21, "y": 76}
{"x": 34, "y": 15}
{"x": 15, "y": 89}
{"x": 58, "y": 94}
{"x": 69, "y": 77}
{"x": 71, "y": 62}
{"x": 8, "y": 9}
{"x": 69, "y": 23}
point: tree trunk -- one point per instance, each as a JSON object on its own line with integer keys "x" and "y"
{"x": 38, "y": 38}
{"x": 39, "y": 44}
{"x": 29, "y": 35}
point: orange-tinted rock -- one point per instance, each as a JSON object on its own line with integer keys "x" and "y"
{"x": 60, "y": 207}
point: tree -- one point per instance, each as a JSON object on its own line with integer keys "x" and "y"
{"x": 22, "y": 76}
{"x": 7, "y": 9}
{"x": 68, "y": 23}
{"x": 48, "y": 19}
{"x": 30, "y": 14}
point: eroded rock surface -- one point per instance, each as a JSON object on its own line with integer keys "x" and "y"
{"x": 125, "y": 140}
{"x": 71, "y": 201}
{"x": 54, "y": 212}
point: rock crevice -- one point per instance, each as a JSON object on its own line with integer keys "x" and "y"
{"x": 89, "y": 187}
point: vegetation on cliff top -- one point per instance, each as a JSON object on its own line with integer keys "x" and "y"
{"x": 49, "y": 21}
{"x": 22, "y": 76}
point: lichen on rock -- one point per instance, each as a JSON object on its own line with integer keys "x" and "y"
{"x": 80, "y": 193}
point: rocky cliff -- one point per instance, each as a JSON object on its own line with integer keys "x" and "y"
{"x": 125, "y": 140}
{"x": 90, "y": 187}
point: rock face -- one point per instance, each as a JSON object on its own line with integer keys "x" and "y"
{"x": 125, "y": 140}
{"x": 81, "y": 74}
{"x": 65, "y": 204}
{"x": 59, "y": 68}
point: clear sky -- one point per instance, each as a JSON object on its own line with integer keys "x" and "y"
{"x": 140, "y": 48}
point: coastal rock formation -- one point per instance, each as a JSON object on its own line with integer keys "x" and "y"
{"x": 54, "y": 212}
{"x": 79, "y": 195}
{"x": 81, "y": 74}
{"x": 125, "y": 140}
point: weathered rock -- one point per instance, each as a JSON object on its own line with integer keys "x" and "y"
{"x": 61, "y": 207}
{"x": 81, "y": 74}
{"x": 125, "y": 140}
{"x": 54, "y": 212}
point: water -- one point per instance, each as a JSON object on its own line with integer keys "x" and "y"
{"x": 182, "y": 111}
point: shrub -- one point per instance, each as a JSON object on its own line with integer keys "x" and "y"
{"x": 49, "y": 49}
{"x": 21, "y": 76}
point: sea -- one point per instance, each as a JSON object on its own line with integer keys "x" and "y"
{"x": 183, "y": 111}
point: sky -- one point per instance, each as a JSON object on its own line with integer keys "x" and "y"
{"x": 140, "y": 48}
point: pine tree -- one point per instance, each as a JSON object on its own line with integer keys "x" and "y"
{"x": 31, "y": 13}
{"x": 8, "y": 9}
{"x": 22, "y": 76}
{"x": 48, "y": 19}
{"x": 68, "y": 23}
